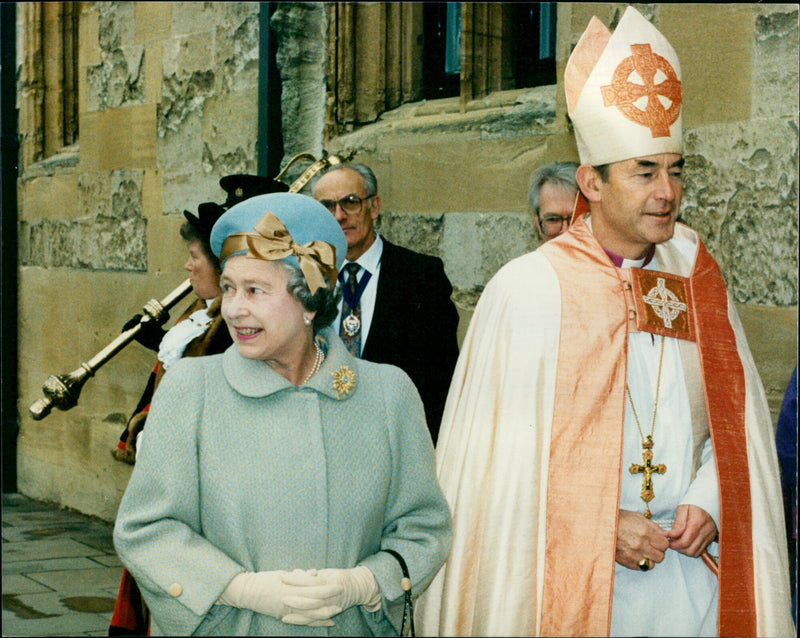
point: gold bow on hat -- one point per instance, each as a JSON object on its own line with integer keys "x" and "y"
{"x": 272, "y": 241}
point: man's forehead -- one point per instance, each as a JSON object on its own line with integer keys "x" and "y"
{"x": 660, "y": 159}
{"x": 553, "y": 196}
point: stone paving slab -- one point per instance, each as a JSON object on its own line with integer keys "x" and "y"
{"x": 46, "y": 549}
{"x": 60, "y": 572}
{"x": 58, "y": 604}
{"x": 81, "y": 581}
{"x": 40, "y": 519}
{"x": 108, "y": 560}
{"x": 29, "y": 527}
{"x": 21, "y": 584}
{"x": 70, "y": 624}
{"x": 49, "y": 565}
{"x": 21, "y": 503}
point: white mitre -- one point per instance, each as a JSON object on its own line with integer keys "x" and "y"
{"x": 624, "y": 92}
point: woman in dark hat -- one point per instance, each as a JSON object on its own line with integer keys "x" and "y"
{"x": 195, "y": 333}
{"x": 279, "y": 481}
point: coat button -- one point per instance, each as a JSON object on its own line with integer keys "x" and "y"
{"x": 175, "y": 590}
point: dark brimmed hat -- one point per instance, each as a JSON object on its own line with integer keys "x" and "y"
{"x": 239, "y": 187}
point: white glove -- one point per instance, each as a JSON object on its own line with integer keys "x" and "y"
{"x": 261, "y": 592}
{"x": 316, "y": 596}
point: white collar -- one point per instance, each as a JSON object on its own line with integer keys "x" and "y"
{"x": 633, "y": 263}
{"x": 371, "y": 259}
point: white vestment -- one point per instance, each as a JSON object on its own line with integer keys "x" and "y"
{"x": 683, "y": 586}
{"x": 493, "y": 462}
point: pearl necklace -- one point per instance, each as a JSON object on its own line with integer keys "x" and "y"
{"x": 318, "y": 359}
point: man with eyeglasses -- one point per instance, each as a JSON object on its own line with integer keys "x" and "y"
{"x": 396, "y": 305}
{"x": 551, "y": 196}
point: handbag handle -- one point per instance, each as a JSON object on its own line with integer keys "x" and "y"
{"x": 405, "y": 585}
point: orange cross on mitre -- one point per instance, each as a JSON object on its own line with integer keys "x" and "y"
{"x": 623, "y": 93}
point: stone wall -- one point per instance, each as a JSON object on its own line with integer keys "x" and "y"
{"x": 168, "y": 104}
{"x": 300, "y": 28}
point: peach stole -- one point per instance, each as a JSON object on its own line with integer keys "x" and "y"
{"x": 586, "y": 441}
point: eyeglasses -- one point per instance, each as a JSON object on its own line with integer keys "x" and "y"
{"x": 552, "y": 224}
{"x": 350, "y": 204}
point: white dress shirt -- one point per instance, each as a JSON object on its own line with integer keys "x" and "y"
{"x": 371, "y": 262}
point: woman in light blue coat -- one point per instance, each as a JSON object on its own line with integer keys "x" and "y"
{"x": 279, "y": 480}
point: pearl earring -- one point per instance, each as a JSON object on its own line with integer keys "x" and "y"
{"x": 307, "y": 321}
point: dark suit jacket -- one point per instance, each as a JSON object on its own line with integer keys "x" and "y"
{"x": 414, "y": 325}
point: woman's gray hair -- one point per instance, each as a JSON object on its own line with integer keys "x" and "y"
{"x": 324, "y": 302}
{"x": 559, "y": 174}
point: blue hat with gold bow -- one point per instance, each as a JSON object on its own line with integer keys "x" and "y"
{"x": 284, "y": 226}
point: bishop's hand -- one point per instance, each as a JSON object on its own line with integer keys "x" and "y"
{"x": 639, "y": 539}
{"x": 692, "y": 530}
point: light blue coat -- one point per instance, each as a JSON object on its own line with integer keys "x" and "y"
{"x": 239, "y": 470}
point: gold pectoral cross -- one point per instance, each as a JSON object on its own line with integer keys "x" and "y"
{"x": 647, "y": 469}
